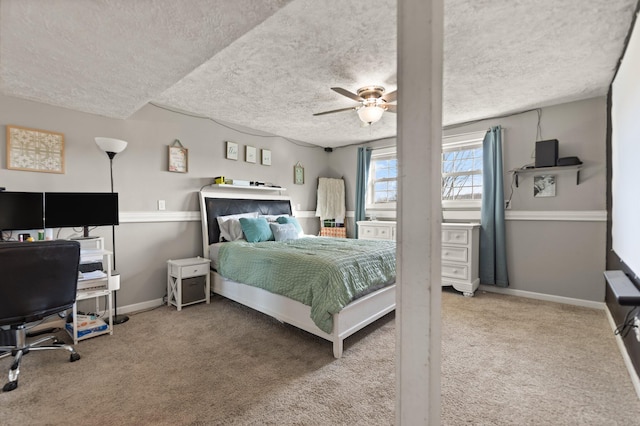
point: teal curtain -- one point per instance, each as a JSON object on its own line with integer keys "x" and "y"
{"x": 362, "y": 175}
{"x": 493, "y": 250}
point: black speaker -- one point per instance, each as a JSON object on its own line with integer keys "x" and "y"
{"x": 547, "y": 153}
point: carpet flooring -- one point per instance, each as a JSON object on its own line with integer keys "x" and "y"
{"x": 506, "y": 361}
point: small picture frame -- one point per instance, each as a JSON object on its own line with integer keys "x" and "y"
{"x": 544, "y": 186}
{"x": 232, "y": 150}
{"x": 250, "y": 154}
{"x": 298, "y": 174}
{"x": 35, "y": 150}
{"x": 266, "y": 157}
{"x": 178, "y": 158}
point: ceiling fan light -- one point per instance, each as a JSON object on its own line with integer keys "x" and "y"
{"x": 370, "y": 114}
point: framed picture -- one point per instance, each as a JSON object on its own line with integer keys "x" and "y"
{"x": 298, "y": 174}
{"x": 266, "y": 157}
{"x": 35, "y": 150}
{"x": 232, "y": 150}
{"x": 178, "y": 157}
{"x": 250, "y": 154}
{"x": 544, "y": 186}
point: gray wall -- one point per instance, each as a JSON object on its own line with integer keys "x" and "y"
{"x": 141, "y": 178}
{"x": 555, "y": 257}
{"x": 563, "y": 258}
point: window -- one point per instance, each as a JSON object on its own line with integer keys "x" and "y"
{"x": 461, "y": 174}
{"x": 382, "y": 191}
{"x": 462, "y": 170}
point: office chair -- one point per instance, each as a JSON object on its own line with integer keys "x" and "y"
{"x": 37, "y": 279}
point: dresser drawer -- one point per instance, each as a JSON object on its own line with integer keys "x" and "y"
{"x": 455, "y": 254}
{"x": 194, "y": 270}
{"x": 367, "y": 232}
{"x": 455, "y": 236}
{"x": 460, "y": 272}
{"x": 375, "y": 232}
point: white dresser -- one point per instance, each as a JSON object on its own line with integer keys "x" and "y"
{"x": 460, "y": 250}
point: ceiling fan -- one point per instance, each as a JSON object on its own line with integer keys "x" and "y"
{"x": 373, "y": 102}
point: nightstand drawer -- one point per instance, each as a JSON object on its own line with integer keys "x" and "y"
{"x": 455, "y": 254}
{"x": 460, "y": 272}
{"x": 194, "y": 270}
{"x": 455, "y": 236}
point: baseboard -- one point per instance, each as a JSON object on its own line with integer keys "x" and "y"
{"x": 142, "y": 306}
{"x": 541, "y": 296}
{"x": 633, "y": 374}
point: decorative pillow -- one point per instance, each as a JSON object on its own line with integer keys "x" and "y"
{"x": 230, "y": 228}
{"x": 273, "y": 217}
{"x": 294, "y": 221}
{"x": 256, "y": 229}
{"x": 284, "y": 231}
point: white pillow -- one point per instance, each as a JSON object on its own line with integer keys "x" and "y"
{"x": 284, "y": 232}
{"x": 230, "y": 229}
{"x": 273, "y": 217}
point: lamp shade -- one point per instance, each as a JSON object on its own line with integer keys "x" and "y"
{"x": 111, "y": 145}
{"x": 370, "y": 113}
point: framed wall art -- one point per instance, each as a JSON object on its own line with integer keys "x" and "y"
{"x": 232, "y": 150}
{"x": 266, "y": 157}
{"x": 35, "y": 150}
{"x": 250, "y": 154}
{"x": 178, "y": 157}
{"x": 544, "y": 186}
{"x": 298, "y": 174}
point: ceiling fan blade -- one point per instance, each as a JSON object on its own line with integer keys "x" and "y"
{"x": 391, "y": 96}
{"x": 391, "y": 108}
{"x": 347, "y": 93}
{"x": 335, "y": 110}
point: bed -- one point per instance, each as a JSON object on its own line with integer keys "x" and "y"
{"x": 365, "y": 308}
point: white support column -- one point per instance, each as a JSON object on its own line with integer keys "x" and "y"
{"x": 420, "y": 39}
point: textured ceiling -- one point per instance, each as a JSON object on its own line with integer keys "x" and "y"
{"x": 269, "y": 65}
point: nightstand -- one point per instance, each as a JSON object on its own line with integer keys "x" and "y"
{"x": 188, "y": 281}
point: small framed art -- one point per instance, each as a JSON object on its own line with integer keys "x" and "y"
{"x": 266, "y": 157}
{"x": 250, "y": 154}
{"x": 178, "y": 157}
{"x": 35, "y": 150}
{"x": 544, "y": 186}
{"x": 298, "y": 174}
{"x": 232, "y": 150}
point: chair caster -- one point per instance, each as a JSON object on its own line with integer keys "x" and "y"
{"x": 74, "y": 357}
{"x": 9, "y": 386}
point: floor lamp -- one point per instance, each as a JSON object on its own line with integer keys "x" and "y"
{"x": 112, "y": 147}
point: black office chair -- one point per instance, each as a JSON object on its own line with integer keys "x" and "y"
{"x": 37, "y": 279}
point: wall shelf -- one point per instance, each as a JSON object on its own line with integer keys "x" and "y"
{"x": 575, "y": 168}
{"x": 243, "y": 187}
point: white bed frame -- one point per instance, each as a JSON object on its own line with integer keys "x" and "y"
{"x": 353, "y": 317}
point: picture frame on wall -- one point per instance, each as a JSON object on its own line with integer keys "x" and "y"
{"x": 250, "y": 154}
{"x": 232, "y": 150}
{"x": 266, "y": 157}
{"x": 178, "y": 158}
{"x": 298, "y": 174}
{"x": 35, "y": 150}
{"x": 544, "y": 186}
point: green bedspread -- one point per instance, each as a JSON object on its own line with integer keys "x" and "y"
{"x": 324, "y": 273}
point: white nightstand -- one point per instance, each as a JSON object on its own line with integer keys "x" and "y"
{"x": 188, "y": 281}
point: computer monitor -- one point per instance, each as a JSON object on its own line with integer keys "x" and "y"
{"x": 21, "y": 211}
{"x": 85, "y": 209}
